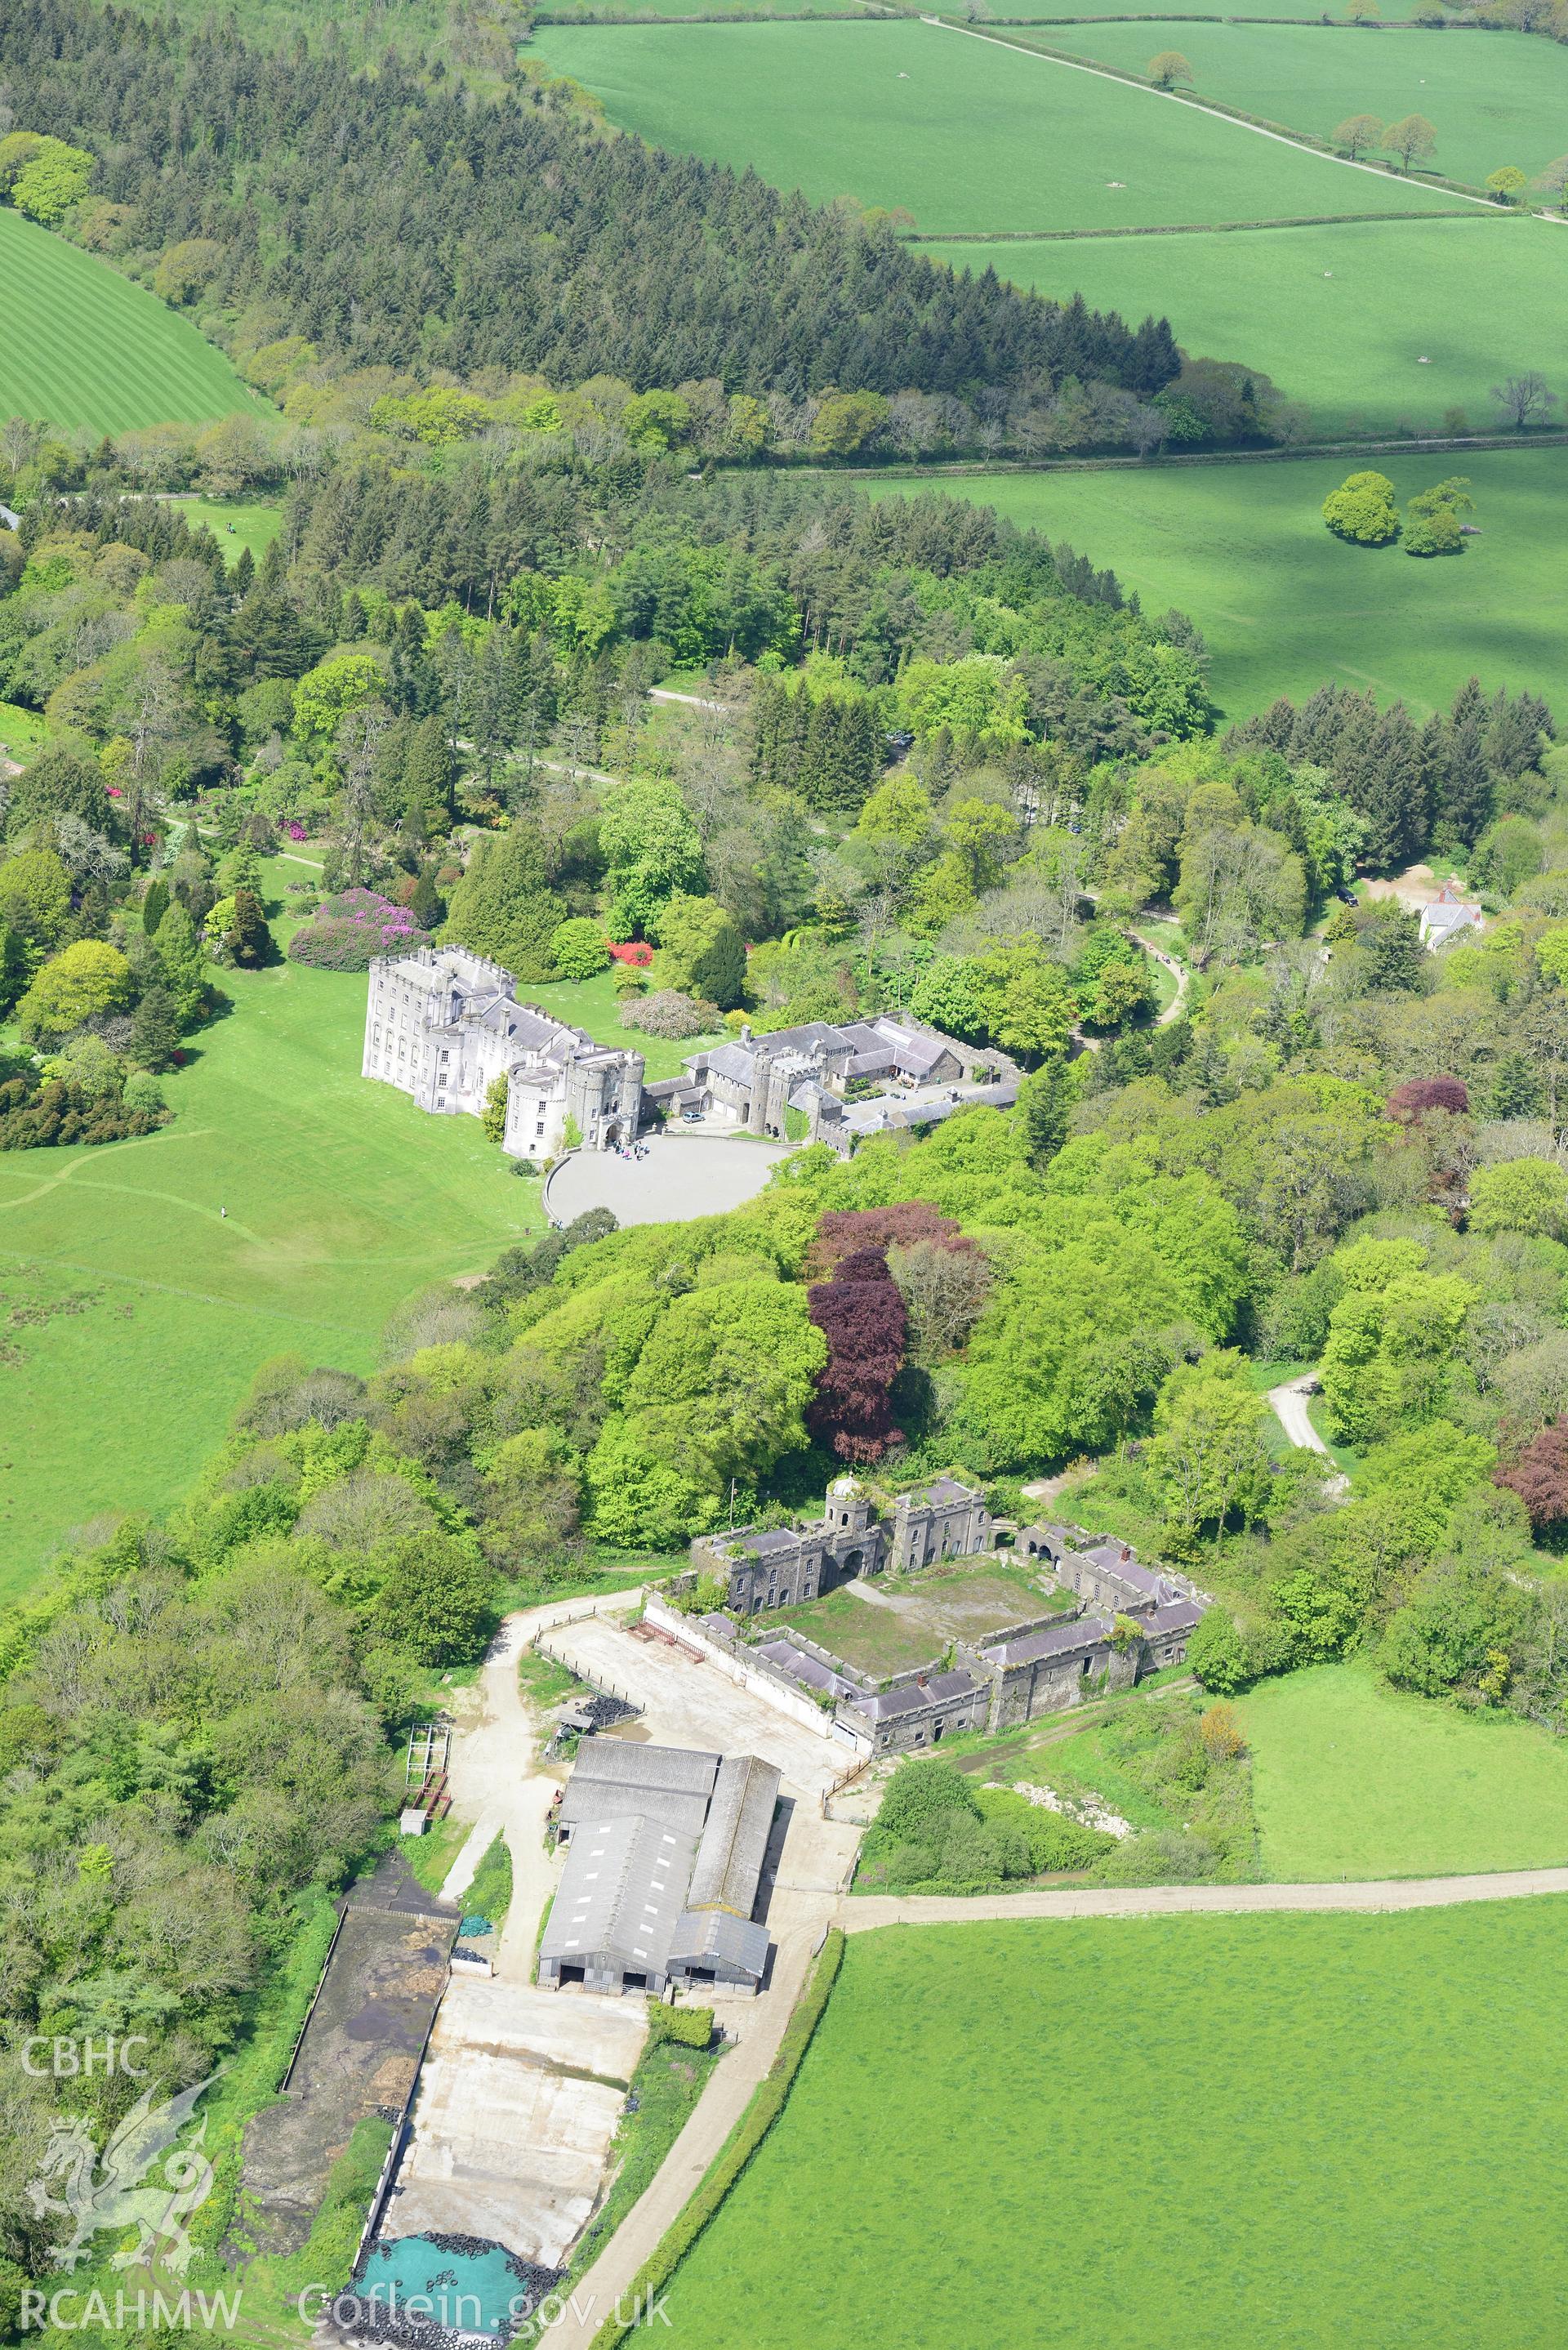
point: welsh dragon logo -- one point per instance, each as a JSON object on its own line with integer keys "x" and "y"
{"x": 117, "y": 2193}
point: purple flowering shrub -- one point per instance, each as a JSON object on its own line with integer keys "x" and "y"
{"x": 348, "y": 931}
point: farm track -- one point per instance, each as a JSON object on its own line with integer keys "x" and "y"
{"x": 1374, "y": 1897}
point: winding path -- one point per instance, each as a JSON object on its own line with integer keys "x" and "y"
{"x": 1177, "y": 971}
{"x": 1288, "y": 1402}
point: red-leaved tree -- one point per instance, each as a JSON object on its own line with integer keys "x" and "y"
{"x": 1417, "y": 1096}
{"x": 860, "y": 1312}
{"x": 903, "y": 1225}
{"x": 1539, "y": 1475}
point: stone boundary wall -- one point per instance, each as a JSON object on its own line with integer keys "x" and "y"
{"x": 754, "y": 1673}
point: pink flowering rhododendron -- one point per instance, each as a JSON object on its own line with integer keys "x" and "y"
{"x": 352, "y": 928}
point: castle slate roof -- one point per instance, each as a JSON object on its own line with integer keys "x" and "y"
{"x": 1180, "y": 1616}
{"x": 733, "y": 1061}
{"x": 940, "y": 1490}
{"x": 774, "y": 1539}
{"x": 1056, "y": 1640}
{"x": 728, "y": 1864}
{"x": 802, "y": 1666}
{"x": 913, "y": 1697}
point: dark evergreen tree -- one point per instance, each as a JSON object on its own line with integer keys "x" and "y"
{"x": 1467, "y": 781}
{"x": 1392, "y": 942}
{"x": 155, "y": 1030}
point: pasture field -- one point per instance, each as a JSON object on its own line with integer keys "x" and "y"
{"x": 134, "y": 1313}
{"x": 1284, "y": 2130}
{"x": 1488, "y": 97}
{"x": 1005, "y": 14}
{"x": 963, "y": 133}
{"x": 615, "y": 12}
{"x": 1286, "y": 607}
{"x": 85, "y": 346}
{"x": 1352, "y": 1778}
{"x": 1341, "y": 317}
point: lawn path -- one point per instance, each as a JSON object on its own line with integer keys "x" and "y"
{"x": 1281, "y": 138}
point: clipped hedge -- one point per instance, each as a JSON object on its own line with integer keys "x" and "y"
{"x": 742, "y": 2144}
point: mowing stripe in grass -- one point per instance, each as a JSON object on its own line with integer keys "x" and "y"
{"x": 87, "y": 348}
{"x": 1219, "y": 114}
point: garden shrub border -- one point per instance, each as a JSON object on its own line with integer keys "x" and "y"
{"x": 762, "y": 2111}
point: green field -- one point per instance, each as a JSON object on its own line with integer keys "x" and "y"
{"x": 1374, "y": 323}
{"x": 134, "y": 1313}
{"x": 1079, "y": 13}
{"x": 85, "y": 346}
{"x": 21, "y": 731}
{"x": 1492, "y": 98}
{"x": 256, "y": 521}
{"x": 1248, "y": 2133}
{"x": 589, "y": 12}
{"x": 964, "y": 133}
{"x": 1286, "y": 607}
{"x": 1350, "y": 1778}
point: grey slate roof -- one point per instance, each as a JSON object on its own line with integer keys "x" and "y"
{"x": 706, "y": 1937}
{"x": 777, "y": 1538}
{"x": 621, "y": 1893}
{"x": 732, "y": 1061}
{"x": 1180, "y": 1616}
{"x": 1055, "y": 1640}
{"x": 802, "y": 1666}
{"x": 912, "y": 1697}
{"x": 940, "y": 1489}
{"x": 729, "y": 1862}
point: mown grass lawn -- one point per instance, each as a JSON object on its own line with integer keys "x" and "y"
{"x": 83, "y": 345}
{"x": 1371, "y": 323}
{"x": 1268, "y": 2133}
{"x": 965, "y": 134}
{"x": 593, "y": 1004}
{"x": 1352, "y": 1778}
{"x": 1488, "y": 97}
{"x": 133, "y": 1312}
{"x": 1286, "y": 607}
{"x": 234, "y": 523}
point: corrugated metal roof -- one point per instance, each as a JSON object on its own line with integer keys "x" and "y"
{"x": 632, "y": 1764}
{"x": 613, "y": 1778}
{"x": 621, "y": 1894}
{"x": 740, "y": 1819}
{"x": 706, "y": 1937}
